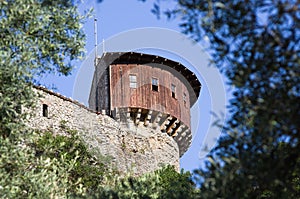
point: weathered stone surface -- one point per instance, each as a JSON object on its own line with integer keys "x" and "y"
{"x": 137, "y": 150}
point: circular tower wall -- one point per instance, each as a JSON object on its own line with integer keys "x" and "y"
{"x": 151, "y": 88}
{"x": 146, "y": 90}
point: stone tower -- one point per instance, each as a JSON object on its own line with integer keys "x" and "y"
{"x": 144, "y": 91}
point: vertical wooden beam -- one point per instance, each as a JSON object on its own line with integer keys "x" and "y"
{"x": 184, "y": 141}
{"x": 172, "y": 127}
{"x": 165, "y": 124}
{"x": 179, "y": 130}
{"x": 148, "y": 118}
{"x": 128, "y": 110}
{"x": 138, "y": 116}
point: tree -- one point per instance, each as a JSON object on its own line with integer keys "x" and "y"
{"x": 163, "y": 183}
{"x": 176, "y": 185}
{"x": 36, "y": 37}
{"x": 256, "y": 45}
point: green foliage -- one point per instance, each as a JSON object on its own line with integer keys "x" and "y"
{"x": 40, "y": 36}
{"x": 23, "y": 175}
{"x": 36, "y": 37}
{"x": 48, "y": 166}
{"x": 130, "y": 187}
{"x": 163, "y": 183}
{"x": 87, "y": 168}
{"x": 256, "y": 45}
{"x": 176, "y": 185}
{"x": 45, "y": 165}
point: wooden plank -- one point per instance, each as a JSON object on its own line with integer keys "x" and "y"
{"x": 143, "y": 96}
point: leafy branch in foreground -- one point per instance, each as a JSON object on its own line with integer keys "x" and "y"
{"x": 49, "y": 166}
{"x": 255, "y": 44}
{"x": 36, "y": 37}
{"x": 163, "y": 183}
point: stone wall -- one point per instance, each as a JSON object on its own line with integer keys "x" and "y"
{"x": 131, "y": 150}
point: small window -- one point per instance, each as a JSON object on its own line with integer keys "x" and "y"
{"x": 184, "y": 99}
{"x": 132, "y": 81}
{"x": 45, "y": 110}
{"x": 154, "y": 84}
{"x": 173, "y": 89}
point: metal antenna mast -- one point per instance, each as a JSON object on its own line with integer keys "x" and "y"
{"x": 96, "y": 42}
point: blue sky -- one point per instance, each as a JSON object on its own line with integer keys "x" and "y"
{"x": 130, "y": 25}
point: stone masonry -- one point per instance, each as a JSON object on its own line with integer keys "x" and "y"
{"x": 131, "y": 150}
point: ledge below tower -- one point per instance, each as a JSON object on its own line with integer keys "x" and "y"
{"x": 140, "y": 119}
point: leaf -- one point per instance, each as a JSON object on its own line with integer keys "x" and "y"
{"x": 156, "y": 10}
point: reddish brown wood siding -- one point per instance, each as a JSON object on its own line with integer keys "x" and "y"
{"x": 143, "y": 96}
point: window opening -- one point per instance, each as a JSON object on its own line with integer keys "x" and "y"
{"x": 45, "y": 110}
{"x": 173, "y": 89}
{"x": 154, "y": 84}
{"x": 184, "y": 99}
{"x": 132, "y": 81}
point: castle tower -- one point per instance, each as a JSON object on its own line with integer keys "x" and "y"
{"x": 146, "y": 91}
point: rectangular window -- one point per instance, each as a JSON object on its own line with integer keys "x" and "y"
{"x": 173, "y": 89}
{"x": 45, "y": 110}
{"x": 132, "y": 81}
{"x": 154, "y": 84}
{"x": 184, "y": 99}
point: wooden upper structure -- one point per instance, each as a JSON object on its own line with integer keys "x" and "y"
{"x": 146, "y": 90}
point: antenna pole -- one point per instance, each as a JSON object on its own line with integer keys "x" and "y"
{"x": 96, "y": 42}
